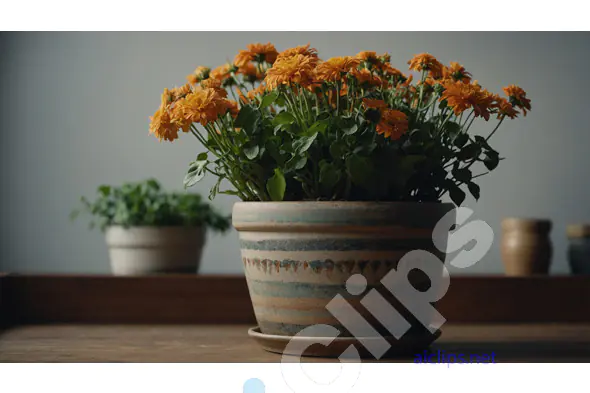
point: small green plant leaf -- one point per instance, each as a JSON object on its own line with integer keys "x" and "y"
{"x": 269, "y": 99}
{"x": 276, "y": 185}
{"x": 283, "y": 118}
{"x": 473, "y": 189}
{"x": 251, "y": 151}
{"x": 303, "y": 143}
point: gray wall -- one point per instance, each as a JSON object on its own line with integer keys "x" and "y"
{"x": 75, "y": 106}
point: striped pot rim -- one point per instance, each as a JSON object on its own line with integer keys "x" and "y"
{"x": 337, "y": 216}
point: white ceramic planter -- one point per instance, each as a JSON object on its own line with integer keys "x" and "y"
{"x": 152, "y": 250}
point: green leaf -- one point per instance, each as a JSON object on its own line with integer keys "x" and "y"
{"x": 303, "y": 143}
{"x": 338, "y": 150}
{"x": 318, "y": 126}
{"x": 269, "y": 99}
{"x": 329, "y": 176}
{"x": 457, "y": 195}
{"x": 251, "y": 151}
{"x": 359, "y": 168}
{"x": 461, "y": 140}
{"x": 462, "y": 174}
{"x": 350, "y": 130}
{"x": 471, "y": 151}
{"x": 491, "y": 161}
{"x": 248, "y": 119}
{"x": 473, "y": 189}
{"x": 276, "y": 185}
{"x": 104, "y": 190}
{"x": 452, "y": 128}
{"x": 283, "y": 118}
{"x": 196, "y": 171}
{"x": 295, "y": 163}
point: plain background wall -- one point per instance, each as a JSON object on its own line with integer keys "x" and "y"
{"x": 75, "y": 106}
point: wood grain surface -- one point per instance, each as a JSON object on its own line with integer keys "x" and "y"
{"x": 230, "y": 343}
{"x": 225, "y": 299}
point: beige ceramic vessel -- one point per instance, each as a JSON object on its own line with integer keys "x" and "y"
{"x": 526, "y": 247}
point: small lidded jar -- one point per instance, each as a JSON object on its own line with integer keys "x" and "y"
{"x": 578, "y": 251}
{"x": 526, "y": 246}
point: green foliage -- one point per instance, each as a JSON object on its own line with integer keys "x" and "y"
{"x": 146, "y": 204}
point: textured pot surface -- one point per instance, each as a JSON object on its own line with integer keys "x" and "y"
{"x": 298, "y": 256}
{"x": 151, "y": 250}
{"x": 526, "y": 247}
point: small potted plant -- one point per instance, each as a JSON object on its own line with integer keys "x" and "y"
{"x": 150, "y": 231}
{"x": 340, "y": 164}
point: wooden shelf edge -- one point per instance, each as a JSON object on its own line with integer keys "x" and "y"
{"x": 215, "y": 299}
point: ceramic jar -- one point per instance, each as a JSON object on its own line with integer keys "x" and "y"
{"x": 526, "y": 246}
{"x": 579, "y": 248}
{"x": 152, "y": 250}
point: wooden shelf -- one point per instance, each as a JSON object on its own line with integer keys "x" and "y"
{"x": 27, "y": 299}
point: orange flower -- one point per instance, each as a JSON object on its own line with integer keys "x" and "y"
{"x": 252, "y": 94}
{"x": 256, "y": 52}
{"x": 199, "y": 74}
{"x": 161, "y": 125}
{"x": 461, "y": 96}
{"x": 221, "y": 73}
{"x": 393, "y": 124}
{"x": 374, "y": 104}
{"x": 179, "y": 92}
{"x": 203, "y": 105}
{"x": 456, "y": 72}
{"x": 251, "y": 72}
{"x": 232, "y": 108}
{"x": 214, "y": 84}
{"x": 426, "y": 62}
{"x": 518, "y": 98}
{"x": 504, "y": 108}
{"x": 297, "y": 69}
{"x": 304, "y": 50}
{"x": 333, "y": 69}
{"x": 366, "y": 78}
{"x": 390, "y": 71}
{"x": 368, "y": 56}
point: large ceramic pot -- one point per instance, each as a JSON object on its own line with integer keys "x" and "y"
{"x": 298, "y": 256}
{"x": 153, "y": 250}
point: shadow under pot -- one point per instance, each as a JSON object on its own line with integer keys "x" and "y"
{"x": 526, "y": 247}
{"x": 578, "y": 251}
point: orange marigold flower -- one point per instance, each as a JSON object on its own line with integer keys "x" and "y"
{"x": 304, "y": 50}
{"x": 390, "y": 71}
{"x": 374, "y": 104}
{"x": 256, "y": 52}
{"x": 393, "y": 124}
{"x": 203, "y": 105}
{"x": 456, "y": 72}
{"x": 179, "y": 92}
{"x": 232, "y": 108}
{"x": 295, "y": 69}
{"x": 504, "y": 108}
{"x": 518, "y": 98}
{"x": 333, "y": 69}
{"x": 161, "y": 125}
{"x": 251, "y": 72}
{"x": 252, "y": 94}
{"x": 368, "y": 56}
{"x": 461, "y": 96}
{"x": 214, "y": 84}
{"x": 199, "y": 74}
{"x": 366, "y": 78}
{"x": 221, "y": 73}
{"x": 426, "y": 62}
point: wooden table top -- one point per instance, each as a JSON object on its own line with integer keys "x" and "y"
{"x": 230, "y": 343}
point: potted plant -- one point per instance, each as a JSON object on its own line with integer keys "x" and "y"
{"x": 340, "y": 164}
{"x": 150, "y": 231}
